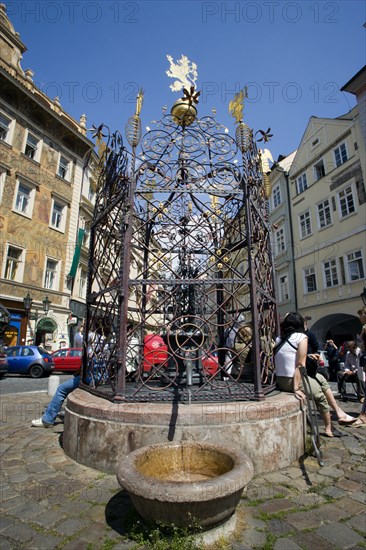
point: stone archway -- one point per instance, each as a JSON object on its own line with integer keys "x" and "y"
{"x": 45, "y": 326}
{"x": 338, "y": 327}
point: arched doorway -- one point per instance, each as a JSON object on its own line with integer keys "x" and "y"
{"x": 339, "y": 327}
{"x": 44, "y": 332}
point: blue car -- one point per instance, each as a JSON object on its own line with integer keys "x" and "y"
{"x": 3, "y": 362}
{"x": 32, "y": 360}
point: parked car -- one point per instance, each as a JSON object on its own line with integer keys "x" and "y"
{"x": 67, "y": 359}
{"x": 32, "y": 360}
{"x": 3, "y": 362}
{"x": 323, "y": 364}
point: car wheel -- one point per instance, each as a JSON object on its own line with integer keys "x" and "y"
{"x": 2, "y": 374}
{"x": 36, "y": 371}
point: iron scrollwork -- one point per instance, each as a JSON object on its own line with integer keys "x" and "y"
{"x": 198, "y": 280}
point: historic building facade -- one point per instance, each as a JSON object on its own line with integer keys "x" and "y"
{"x": 46, "y": 204}
{"x": 282, "y": 235}
{"x": 318, "y": 213}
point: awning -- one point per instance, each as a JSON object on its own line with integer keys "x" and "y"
{"x": 76, "y": 258}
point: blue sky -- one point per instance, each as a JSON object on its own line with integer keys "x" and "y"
{"x": 293, "y": 56}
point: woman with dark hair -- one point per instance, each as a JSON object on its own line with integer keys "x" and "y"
{"x": 290, "y": 354}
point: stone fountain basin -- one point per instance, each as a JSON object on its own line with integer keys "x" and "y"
{"x": 185, "y": 483}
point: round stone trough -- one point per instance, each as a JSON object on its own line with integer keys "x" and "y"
{"x": 186, "y": 484}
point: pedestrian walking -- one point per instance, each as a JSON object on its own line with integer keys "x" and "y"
{"x": 79, "y": 337}
{"x": 333, "y": 355}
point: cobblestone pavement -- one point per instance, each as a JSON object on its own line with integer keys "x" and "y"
{"x": 49, "y": 501}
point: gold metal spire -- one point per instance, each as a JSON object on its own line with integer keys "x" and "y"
{"x": 236, "y": 105}
{"x": 139, "y": 101}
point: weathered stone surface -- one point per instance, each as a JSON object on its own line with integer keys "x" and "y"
{"x": 20, "y": 533}
{"x": 311, "y": 541}
{"x": 98, "y": 433}
{"x": 340, "y": 535}
{"x": 351, "y": 506}
{"x": 348, "y": 485}
{"x": 358, "y": 477}
{"x": 254, "y": 538}
{"x": 304, "y": 520}
{"x": 70, "y": 526}
{"x": 278, "y": 527}
{"x": 331, "y": 472}
{"x": 286, "y": 544}
{"x": 358, "y": 523}
{"x": 5, "y": 523}
{"x": 171, "y": 482}
{"x": 332, "y": 512}
{"x": 360, "y": 496}
{"x": 276, "y": 505}
{"x": 45, "y": 542}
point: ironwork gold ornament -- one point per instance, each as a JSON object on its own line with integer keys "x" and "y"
{"x": 133, "y": 126}
{"x": 243, "y": 134}
{"x": 185, "y": 72}
{"x": 236, "y": 105}
{"x": 180, "y": 245}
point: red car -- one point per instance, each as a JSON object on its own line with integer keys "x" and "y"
{"x": 67, "y": 359}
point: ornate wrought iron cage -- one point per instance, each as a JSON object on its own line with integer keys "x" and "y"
{"x": 181, "y": 302}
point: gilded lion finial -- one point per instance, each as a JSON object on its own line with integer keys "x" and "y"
{"x": 184, "y": 71}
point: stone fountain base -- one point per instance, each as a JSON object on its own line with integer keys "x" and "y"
{"x": 99, "y": 433}
{"x": 185, "y": 484}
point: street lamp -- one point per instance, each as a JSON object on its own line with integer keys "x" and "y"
{"x": 363, "y": 295}
{"x": 46, "y": 304}
{"x": 28, "y": 306}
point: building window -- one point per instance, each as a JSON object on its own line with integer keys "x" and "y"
{"x": 340, "y": 154}
{"x": 280, "y": 241}
{"x": 58, "y": 215}
{"x": 6, "y": 127}
{"x": 86, "y": 236}
{"x": 355, "y": 266}
{"x": 319, "y": 170}
{"x": 276, "y": 196}
{"x": 24, "y": 199}
{"x": 284, "y": 295}
{"x": 305, "y": 224}
{"x": 331, "y": 273}
{"x": 324, "y": 214}
{"x": 51, "y": 274}
{"x": 2, "y": 183}
{"x": 64, "y": 169}
{"x": 83, "y": 283}
{"x": 310, "y": 279}
{"x": 301, "y": 183}
{"x": 32, "y": 147}
{"x": 346, "y": 202}
{"x": 14, "y": 264}
{"x": 91, "y": 193}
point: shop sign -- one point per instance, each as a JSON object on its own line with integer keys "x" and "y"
{"x": 72, "y": 320}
